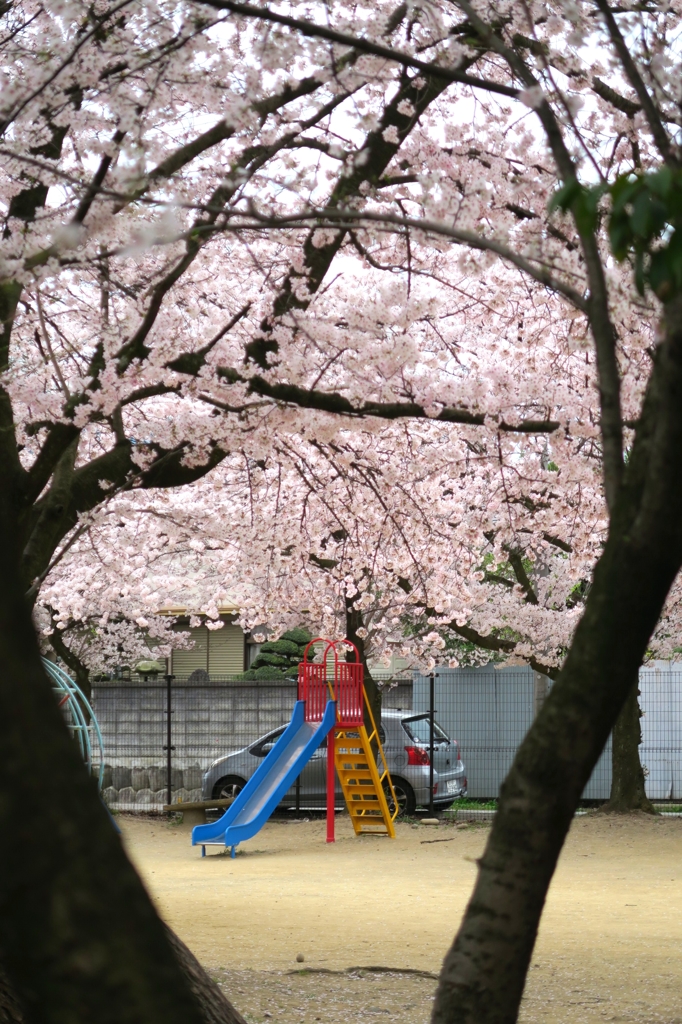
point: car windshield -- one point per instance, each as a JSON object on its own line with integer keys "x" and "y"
{"x": 419, "y": 730}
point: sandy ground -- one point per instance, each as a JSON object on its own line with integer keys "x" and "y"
{"x": 374, "y": 917}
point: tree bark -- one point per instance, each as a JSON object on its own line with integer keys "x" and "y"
{"x": 484, "y": 972}
{"x": 214, "y": 1006}
{"x": 627, "y": 782}
{"x": 72, "y": 661}
{"x": 353, "y": 624}
{"x": 10, "y": 1010}
{"x": 80, "y": 937}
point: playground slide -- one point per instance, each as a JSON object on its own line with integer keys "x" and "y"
{"x": 249, "y": 811}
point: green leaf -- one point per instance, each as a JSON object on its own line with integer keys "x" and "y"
{"x": 564, "y": 197}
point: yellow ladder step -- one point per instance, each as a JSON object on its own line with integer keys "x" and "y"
{"x": 363, "y": 783}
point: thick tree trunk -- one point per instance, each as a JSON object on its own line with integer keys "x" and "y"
{"x": 214, "y": 1006}
{"x": 353, "y": 624}
{"x": 627, "y": 783}
{"x": 10, "y": 1010}
{"x": 80, "y": 671}
{"x": 484, "y": 972}
{"x": 80, "y": 938}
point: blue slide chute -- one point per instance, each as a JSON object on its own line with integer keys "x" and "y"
{"x": 249, "y": 811}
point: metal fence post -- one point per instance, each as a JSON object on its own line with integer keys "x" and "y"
{"x": 169, "y": 735}
{"x": 431, "y": 720}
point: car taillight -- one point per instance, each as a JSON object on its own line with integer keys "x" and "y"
{"x": 456, "y": 746}
{"x": 417, "y": 755}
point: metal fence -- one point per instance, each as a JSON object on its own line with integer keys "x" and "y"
{"x": 487, "y": 710}
{"x": 146, "y": 747}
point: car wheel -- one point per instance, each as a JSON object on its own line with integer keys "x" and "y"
{"x": 228, "y": 788}
{"x": 404, "y": 794}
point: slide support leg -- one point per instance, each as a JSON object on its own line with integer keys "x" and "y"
{"x": 331, "y": 737}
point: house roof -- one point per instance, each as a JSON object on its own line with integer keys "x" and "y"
{"x": 181, "y": 609}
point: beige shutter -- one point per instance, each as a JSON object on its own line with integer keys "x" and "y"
{"x": 185, "y": 662}
{"x": 225, "y": 651}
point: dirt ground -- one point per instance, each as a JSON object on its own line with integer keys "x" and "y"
{"x": 374, "y": 917}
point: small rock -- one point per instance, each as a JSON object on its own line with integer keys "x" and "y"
{"x": 266, "y": 1013}
{"x": 430, "y": 821}
{"x": 299, "y": 958}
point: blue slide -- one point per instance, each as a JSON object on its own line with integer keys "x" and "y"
{"x": 249, "y": 811}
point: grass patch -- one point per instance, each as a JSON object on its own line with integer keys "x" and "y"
{"x": 468, "y": 804}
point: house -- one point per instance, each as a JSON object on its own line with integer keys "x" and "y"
{"x": 218, "y": 652}
{"x": 229, "y": 651}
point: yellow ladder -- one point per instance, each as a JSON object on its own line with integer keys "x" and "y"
{"x": 364, "y": 789}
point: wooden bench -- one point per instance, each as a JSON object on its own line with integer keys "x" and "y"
{"x": 194, "y": 813}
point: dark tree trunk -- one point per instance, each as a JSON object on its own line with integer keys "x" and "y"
{"x": 353, "y": 624}
{"x": 484, "y": 972}
{"x": 80, "y": 937}
{"x": 627, "y": 784}
{"x": 214, "y": 1006}
{"x": 72, "y": 661}
{"x": 10, "y": 1010}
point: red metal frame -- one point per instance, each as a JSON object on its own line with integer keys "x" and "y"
{"x": 331, "y": 795}
{"x": 346, "y": 687}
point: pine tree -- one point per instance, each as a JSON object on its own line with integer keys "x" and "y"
{"x": 279, "y": 659}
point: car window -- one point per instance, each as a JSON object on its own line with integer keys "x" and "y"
{"x": 419, "y": 730}
{"x": 382, "y": 738}
{"x": 265, "y": 745}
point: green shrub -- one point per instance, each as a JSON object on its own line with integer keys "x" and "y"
{"x": 279, "y": 659}
{"x": 281, "y": 646}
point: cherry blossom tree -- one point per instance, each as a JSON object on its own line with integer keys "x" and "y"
{"x": 362, "y": 538}
{"x": 228, "y": 227}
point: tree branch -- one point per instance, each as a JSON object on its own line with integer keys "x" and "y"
{"x": 602, "y": 328}
{"x": 500, "y": 646}
{"x": 516, "y": 562}
{"x": 630, "y": 68}
{"x": 333, "y": 402}
{"x": 348, "y": 219}
{"x": 309, "y": 28}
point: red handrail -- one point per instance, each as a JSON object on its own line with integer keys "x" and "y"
{"x": 345, "y": 686}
